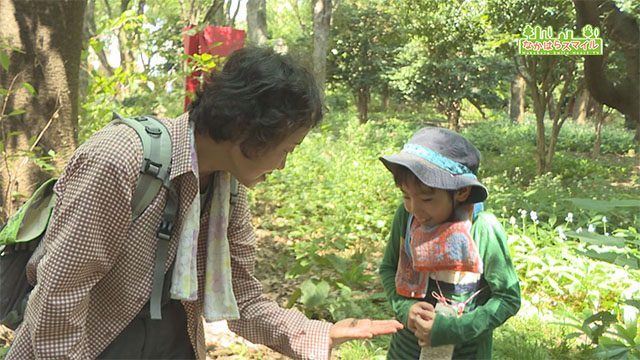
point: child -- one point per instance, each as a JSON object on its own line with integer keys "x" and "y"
{"x": 439, "y": 251}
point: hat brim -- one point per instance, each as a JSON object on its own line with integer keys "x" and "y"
{"x": 434, "y": 176}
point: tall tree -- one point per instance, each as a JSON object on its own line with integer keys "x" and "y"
{"x": 623, "y": 93}
{"x": 444, "y": 62}
{"x": 550, "y": 80}
{"x": 365, "y": 37}
{"x": 43, "y": 41}
{"x": 321, "y": 28}
{"x": 518, "y": 89}
{"x": 582, "y": 105}
{"x": 257, "y": 21}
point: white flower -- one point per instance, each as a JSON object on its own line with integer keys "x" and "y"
{"x": 569, "y": 217}
{"x": 606, "y": 234}
{"x": 536, "y": 221}
{"x": 535, "y": 299}
{"x": 604, "y": 219}
{"x": 591, "y": 228}
{"x": 561, "y": 233}
{"x": 512, "y": 220}
{"x": 523, "y": 213}
{"x": 534, "y": 216}
{"x": 579, "y": 230}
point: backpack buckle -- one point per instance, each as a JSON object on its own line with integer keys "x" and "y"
{"x": 153, "y": 131}
{"x": 165, "y": 230}
{"x": 151, "y": 167}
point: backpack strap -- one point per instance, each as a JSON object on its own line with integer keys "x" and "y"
{"x": 156, "y": 163}
{"x": 233, "y": 198}
{"x": 155, "y": 171}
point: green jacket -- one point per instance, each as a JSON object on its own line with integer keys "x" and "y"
{"x": 471, "y": 333}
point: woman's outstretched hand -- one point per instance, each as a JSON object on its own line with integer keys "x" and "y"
{"x": 352, "y": 329}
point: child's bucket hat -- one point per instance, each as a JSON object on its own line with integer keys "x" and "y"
{"x": 441, "y": 159}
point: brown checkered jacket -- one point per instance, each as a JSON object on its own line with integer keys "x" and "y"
{"x": 96, "y": 271}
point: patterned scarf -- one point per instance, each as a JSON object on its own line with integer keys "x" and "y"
{"x": 445, "y": 247}
{"x": 219, "y": 300}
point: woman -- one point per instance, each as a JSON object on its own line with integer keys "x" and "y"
{"x": 94, "y": 279}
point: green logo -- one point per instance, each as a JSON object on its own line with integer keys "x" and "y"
{"x": 539, "y": 41}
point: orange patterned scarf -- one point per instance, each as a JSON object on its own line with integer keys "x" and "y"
{"x": 445, "y": 247}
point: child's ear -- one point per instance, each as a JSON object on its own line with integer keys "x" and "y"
{"x": 463, "y": 194}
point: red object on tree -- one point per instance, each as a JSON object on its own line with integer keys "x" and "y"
{"x": 215, "y": 40}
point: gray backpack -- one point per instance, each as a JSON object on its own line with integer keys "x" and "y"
{"x": 22, "y": 233}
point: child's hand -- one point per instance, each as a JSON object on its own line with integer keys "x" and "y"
{"x": 423, "y": 331}
{"x": 420, "y": 310}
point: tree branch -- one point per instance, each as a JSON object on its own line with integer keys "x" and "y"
{"x": 124, "y": 5}
{"x": 296, "y": 9}
{"x": 212, "y": 11}
{"x": 623, "y": 29}
{"x": 232, "y": 19}
{"x": 108, "y": 8}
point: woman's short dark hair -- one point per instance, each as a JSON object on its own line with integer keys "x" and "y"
{"x": 259, "y": 98}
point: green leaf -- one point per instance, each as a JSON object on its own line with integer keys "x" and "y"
{"x": 610, "y": 351}
{"x": 629, "y": 260}
{"x": 627, "y": 334}
{"x": 603, "y": 319}
{"x": 29, "y": 88}
{"x": 314, "y": 295}
{"x": 17, "y": 112}
{"x": 96, "y": 44}
{"x": 633, "y": 302}
{"x": 4, "y": 60}
{"x": 573, "y": 335}
{"x": 603, "y": 205}
{"x": 293, "y": 298}
{"x": 596, "y": 239}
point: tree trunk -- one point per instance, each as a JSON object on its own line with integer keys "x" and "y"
{"x": 90, "y": 30}
{"x": 453, "y": 115}
{"x": 476, "y": 104}
{"x": 321, "y": 27}
{"x": 539, "y": 106}
{"x": 257, "y": 21}
{"x": 215, "y": 14}
{"x": 518, "y": 91}
{"x": 600, "y": 116}
{"x": 559, "y": 116}
{"x": 581, "y": 107}
{"x": 632, "y": 122}
{"x": 386, "y": 95}
{"x": 232, "y": 17}
{"x": 363, "y": 104}
{"x": 622, "y": 94}
{"x": 49, "y": 37}
{"x": 87, "y": 33}
{"x": 127, "y": 62}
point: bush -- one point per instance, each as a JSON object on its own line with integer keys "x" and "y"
{"x": 502, "y": 136}
{"x": 335, "y": 201}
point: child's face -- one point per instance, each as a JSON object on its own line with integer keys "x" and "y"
{"x": 429, "y": 206}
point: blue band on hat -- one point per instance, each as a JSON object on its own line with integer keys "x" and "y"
{"x": 438, "y": 159}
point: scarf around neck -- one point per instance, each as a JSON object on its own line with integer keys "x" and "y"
{"x": 445, "y": 247}
{"x": 219, "y": 299}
